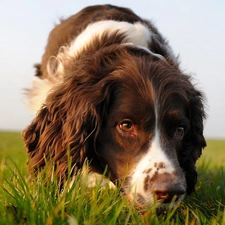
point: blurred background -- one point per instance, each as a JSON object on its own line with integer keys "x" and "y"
{"x": 195, "y": 30}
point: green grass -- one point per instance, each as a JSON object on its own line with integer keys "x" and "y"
{"x": 25, "y": 202}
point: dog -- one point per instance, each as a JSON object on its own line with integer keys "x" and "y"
{"x": 109, "y": 89}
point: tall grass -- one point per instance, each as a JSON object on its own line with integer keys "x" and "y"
{"x": 24, "y": 201}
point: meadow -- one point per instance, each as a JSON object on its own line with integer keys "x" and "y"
{"x": 23, "y": 201}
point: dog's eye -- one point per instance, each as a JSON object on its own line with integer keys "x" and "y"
{"x": 127, "y": 126}
{"x": 179, "y": 133}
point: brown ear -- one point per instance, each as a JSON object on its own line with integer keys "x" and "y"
{"x": 73, "y": 111}
{"x": 195, "y": 141}
{"x": 69, "y": 117}
{"x": 197, "y": 118}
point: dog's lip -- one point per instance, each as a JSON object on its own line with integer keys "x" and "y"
{"x": 144, "y": 210}
{"x": 160, "y": 208}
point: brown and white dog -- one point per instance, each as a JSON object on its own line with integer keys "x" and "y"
{"x": 109, "y": 88}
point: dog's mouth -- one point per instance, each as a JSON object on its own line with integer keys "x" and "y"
{"x": 160, "y": 210}
{"x": 144, "y": 210}
{"x": 160, "y": 207}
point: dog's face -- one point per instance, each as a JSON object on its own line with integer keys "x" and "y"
{"x": 141, "y": 141}
{"x": 109, "y": 90}
{"x": 141, "y": 120}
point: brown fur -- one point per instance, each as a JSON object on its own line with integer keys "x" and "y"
{"x": 107, "y": 83}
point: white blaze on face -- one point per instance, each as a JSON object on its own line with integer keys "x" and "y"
{"x": 154, "y": 161}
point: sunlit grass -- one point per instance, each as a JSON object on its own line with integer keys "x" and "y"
{"x": 42, "y": 202}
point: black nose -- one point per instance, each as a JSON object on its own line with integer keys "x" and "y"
{"x": 166, "y": 192}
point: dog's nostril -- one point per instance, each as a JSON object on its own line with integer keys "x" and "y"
{"x": 161, "y": 195}
{"x": 168, "y": 194}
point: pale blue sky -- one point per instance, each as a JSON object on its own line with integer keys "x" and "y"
{"x": 195, "y": 30}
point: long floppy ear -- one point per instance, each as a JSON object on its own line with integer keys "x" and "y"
{"x": 69, "y": 117}
{"x": 195, "y": 141}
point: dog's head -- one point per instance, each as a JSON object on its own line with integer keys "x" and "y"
{"x": 127, "y": 110}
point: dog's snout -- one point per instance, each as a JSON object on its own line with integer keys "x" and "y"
{"x": 167, "y": 187}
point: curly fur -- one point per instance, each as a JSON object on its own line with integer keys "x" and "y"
{"x": 88, "y": 94}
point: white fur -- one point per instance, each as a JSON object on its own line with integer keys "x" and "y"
{"x": 147, "y": 165}
{"x": 92, "y": 179}
{"x": 137, "y": 34}
{"x": 154, "y": 155}
{"x": 145, "y": 49}
{"x": 40, "y": 89}
{"x": 95, "y": 179}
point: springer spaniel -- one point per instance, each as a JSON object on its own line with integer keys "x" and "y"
{"x": 110, "y": 90}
